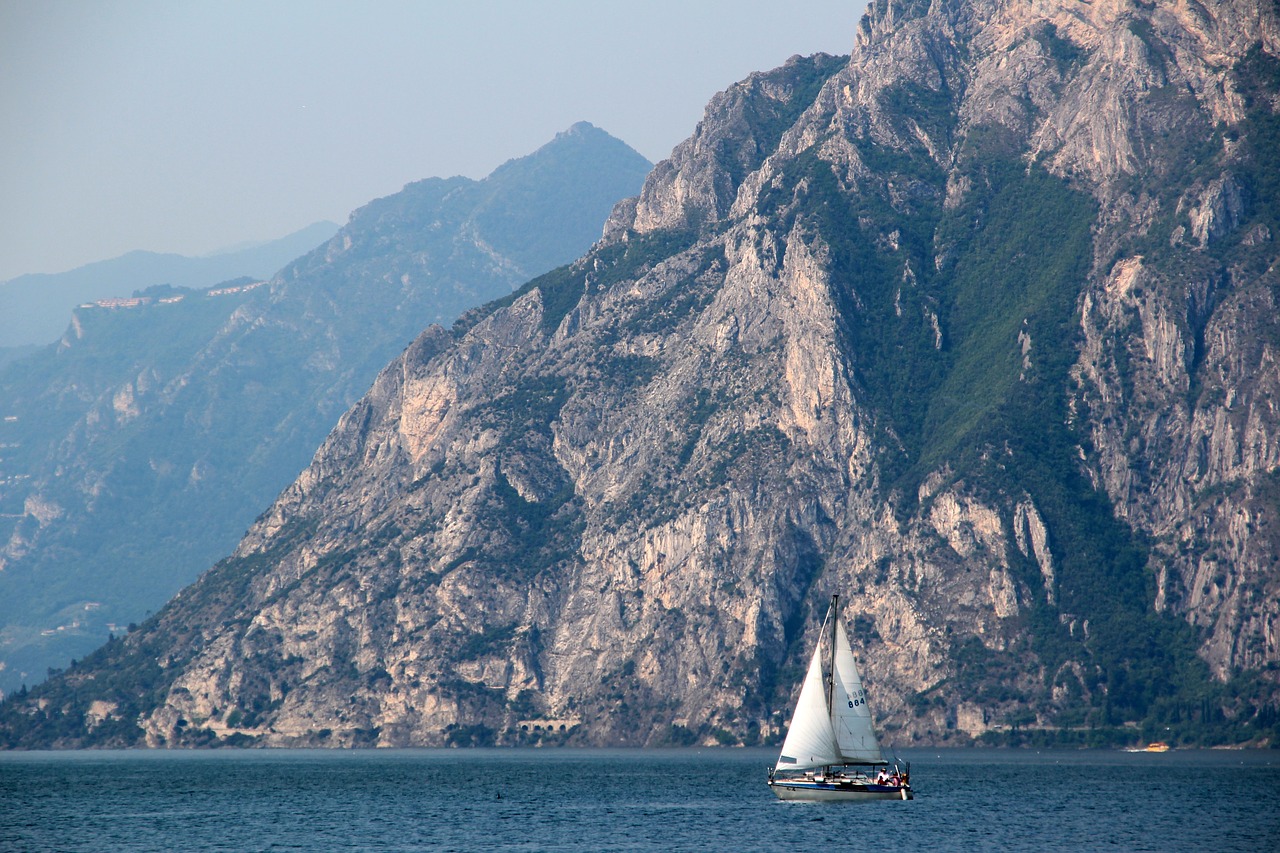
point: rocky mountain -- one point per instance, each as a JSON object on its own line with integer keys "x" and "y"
{"x": 34, "y": 308}
{"x": 136, "y": 451}
{"x": 975, "y": 326}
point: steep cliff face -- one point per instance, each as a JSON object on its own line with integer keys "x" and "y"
{"x": 974, "y": 328}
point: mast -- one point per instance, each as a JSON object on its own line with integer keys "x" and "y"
{"x": 831, "y": 682}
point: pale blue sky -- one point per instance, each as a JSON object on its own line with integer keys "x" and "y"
{"x": 192, "y": 126}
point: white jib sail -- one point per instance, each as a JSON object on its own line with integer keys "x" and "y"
{"x": 850, "y": 714}
{"x": 810, "y": 740}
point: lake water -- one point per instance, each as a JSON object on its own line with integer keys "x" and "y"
{"x": 580, "y": 800}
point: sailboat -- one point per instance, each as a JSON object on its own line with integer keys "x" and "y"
{"x": 831, "y": 751}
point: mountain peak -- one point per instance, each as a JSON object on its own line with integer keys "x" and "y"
{"x": 580, "y": 128}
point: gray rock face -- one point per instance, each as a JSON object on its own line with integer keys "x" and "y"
{"x": 974, "y": 328}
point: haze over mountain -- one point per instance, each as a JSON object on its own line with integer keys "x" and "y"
{"x": 977, "y": 327}
{"x": 203, "y": 125}
{"x": 35, "y": 308}
{"x": 137, "y": 450}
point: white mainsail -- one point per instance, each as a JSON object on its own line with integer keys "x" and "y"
{"x": 850, "y": 714}
{"x": 810, "y": 742}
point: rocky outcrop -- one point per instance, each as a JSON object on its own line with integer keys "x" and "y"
{"x": 699, "y": 182}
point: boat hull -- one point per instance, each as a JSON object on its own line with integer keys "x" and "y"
{"x": 803, "y": 789}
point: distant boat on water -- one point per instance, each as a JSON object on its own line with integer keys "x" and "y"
{"x": 1154, "y": 746}
{"x": 831, "y": 750}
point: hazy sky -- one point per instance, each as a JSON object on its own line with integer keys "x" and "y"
{"x": 193, "y": 126}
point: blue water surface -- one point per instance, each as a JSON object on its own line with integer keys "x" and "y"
{"x": 625, "y": 800}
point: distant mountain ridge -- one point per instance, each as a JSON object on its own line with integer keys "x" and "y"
{"x": 35, "y": 308}
{"x": 136, "y": 450}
